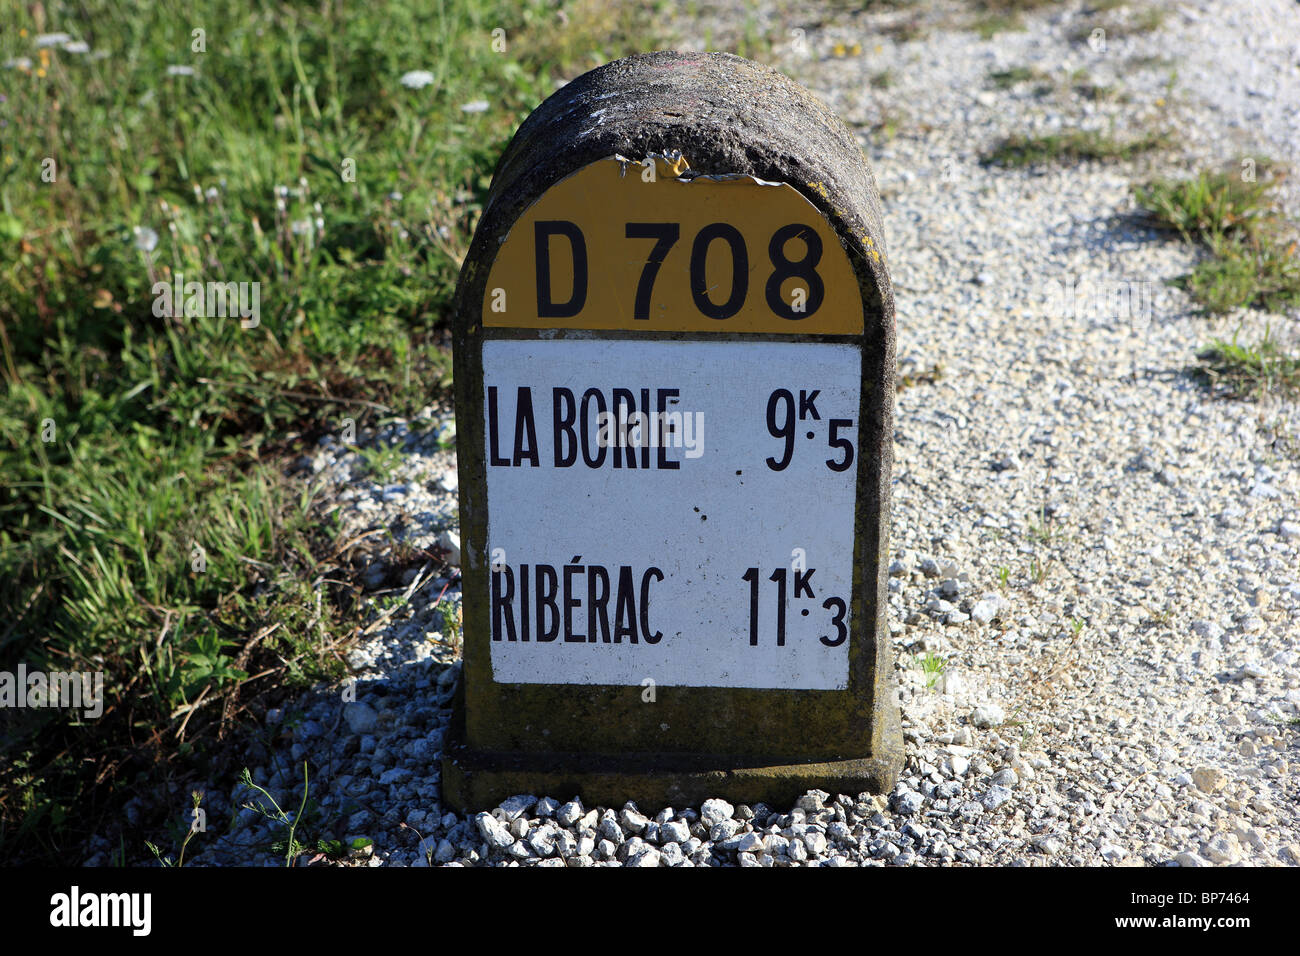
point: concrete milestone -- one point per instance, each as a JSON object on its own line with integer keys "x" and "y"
{"x": 674, "y": 363}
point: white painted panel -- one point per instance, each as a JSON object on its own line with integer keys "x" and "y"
{"x": 723, "y": 511}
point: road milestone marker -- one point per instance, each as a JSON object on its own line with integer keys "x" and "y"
{"x": 674, "y": 364}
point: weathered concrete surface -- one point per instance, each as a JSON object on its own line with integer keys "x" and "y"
{"x": 726, "y": 115}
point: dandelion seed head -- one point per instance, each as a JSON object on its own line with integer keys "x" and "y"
{"x": 146, "y": 240}
{"x": 416, "y": 79}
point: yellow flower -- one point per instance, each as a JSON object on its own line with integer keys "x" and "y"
{"x": 40, "y": 72}
{"x": 1160, "y": 101}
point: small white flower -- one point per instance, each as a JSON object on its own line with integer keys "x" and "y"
{"x": 174, "y": 70}
{"x": 77, "y": 46}
{"x": 18, "y": 63}
{"x": 477, "y": 106}
{"x": 51, "y": 39}
{"x": 146, "y": 240}
{"x": 416, "y": 79}
{"x": 395, "y": 196}
{"x": 212, "y": 194}
{"x": 300, "y": 226}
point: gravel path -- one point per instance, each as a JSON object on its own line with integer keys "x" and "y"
{"x": 1103, "y": 559}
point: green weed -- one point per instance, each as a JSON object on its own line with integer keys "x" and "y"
{"x": 289, "y": 844}
{"x": 1073, "y": 146}
{"x": 1006, "y": 79}
{"x": 1251, "y": 259}
{"x": 1250, "y": 371}
{"x": 931, "y": 665}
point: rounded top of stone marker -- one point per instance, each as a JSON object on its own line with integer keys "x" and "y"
{"x": 726, "y": 116}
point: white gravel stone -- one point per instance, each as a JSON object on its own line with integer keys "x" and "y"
{"x": 569, "y": 813}
{"x": 987, "y": 715}
{"x": 715, "y": 811}
{"x": 361, "y": 718}
{"x": 449, "y": 541}
{"x": 674, "y": 831}
{"x": 493, "y": 831}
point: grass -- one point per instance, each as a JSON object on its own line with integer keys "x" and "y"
{"x": 1143, "y": 20}
{"x": 1150, "y": 62}
{"x": 450, "y": 613}
{"x": 1250, "y": 371}
{"x": 382, "y": 461}
{"x": 1096, "y": 92}
{"x": 931, "y": 665}
{"x": 992, "y": 17}
{"x": 886, "y": 126}
{"x": 926, "y": 376}
{"x": 905, "y": 30}
{"x": 1251, "y": 259}
{"x": 147, "y": 530}
{"x": 1210, "y": 205}
{"x": 1042, "y": 530}
{"x": 1078, "y": 83}
{"x": 1073, "y": 146}
{"x": 1006, "y": 79}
